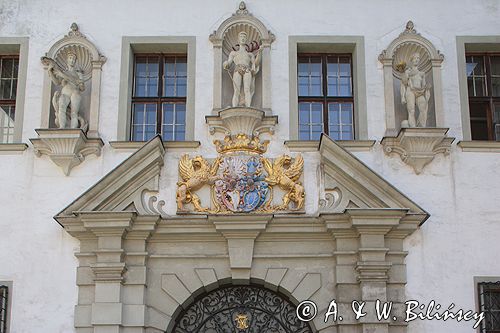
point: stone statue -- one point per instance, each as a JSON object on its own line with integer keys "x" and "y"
{"x": 246, "y": 67}
{"x": 68, "y": 98}
{"x": 415, "y": 92}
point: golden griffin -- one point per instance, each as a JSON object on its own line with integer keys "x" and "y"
{"x": 286, "y": 174}
{"x": 195, "y": 173}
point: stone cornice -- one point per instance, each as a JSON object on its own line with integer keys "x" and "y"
{"x": 480, "y": 146}
{"x": 6, "y": 148}
{"x": 169, "y": 145}
{"x": 311, "y": 146}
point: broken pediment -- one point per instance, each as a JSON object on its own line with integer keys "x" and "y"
{"x": 347, "y": 183}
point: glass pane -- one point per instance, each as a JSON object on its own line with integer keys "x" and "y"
{"x": 169, "y": 67}
{"x": 168, "y": 132}
{"x": 153, "y": 67}
{"x": 316, "y": 132}
{"x": 303, "y": 68}
{"x": 138, "y": 114}
{"x": 181, "y": 87}
{"x": 333, "y": 67}
{"x": 479, "y": 86}
{"x": 5, "y": 88}
{"x": 140, "y": 67}
{"x": 137, "y": 133}
{"x": 180, "y": 116}
{"x": 303, "y": 116}
{"x": 315, "y": 88}
{"x": 304, "y": 132}
{"x": 315, "y": 66}
{"x": 333, "y": 113}
{"x": 168, "y": 114}
{"x": 151, "y": 114}
{"x": 16, "y": 67}
{"x": 495, "y": 86}
{"x": 169, "y": 90}
{"x": 344, "y": 66}
{"x": 346, "y": 113}
{"x": 317, "y": 113}
{"x": 303, "y": 86}
{"x": 152, "y": 87}
{"x": 181, "y": 67}
{"x": 346, "y": 133}
{"x": 7, "y": 68}
{"x": 150, "y": 132}
{"x": 179, "y": 132}
{"x": 345, "y": 87}
{"x": 333, "y": 86}
{"x": 14, "y": 89}
{"x": 140, "y": 87}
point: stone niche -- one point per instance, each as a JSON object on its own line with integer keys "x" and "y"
{"x": 71, "y": 95}
{"x": 225, "y": 40}
{"x": 413, "y": 99}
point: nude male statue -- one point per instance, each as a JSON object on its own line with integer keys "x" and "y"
{"x": 246, "y": 67}
{"x": 415, "y": 92}
{"x": 69, "y": 97}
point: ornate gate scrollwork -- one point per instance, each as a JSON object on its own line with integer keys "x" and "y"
{"x": 240, "y": 309}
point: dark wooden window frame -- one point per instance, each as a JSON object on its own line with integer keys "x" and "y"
{"x": 484, "y": 288}
{"x": 325, "y": 99}
{"x": 10, "y": 102}
{"x": 160, "y": 99}
{"x": 488, "y": 99}
{"x": 4, "y": 307}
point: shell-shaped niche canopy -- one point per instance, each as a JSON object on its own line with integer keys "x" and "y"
{"x": 230, "y": 38}
{"x": 403, "y": 54}
{"x": 401, "y": 50}
{"x": 242, "y": 20}
{"x": 77, "y": 44}
{"x": 83, "y": 59}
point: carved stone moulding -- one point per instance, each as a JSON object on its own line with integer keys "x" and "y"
{"x": 417, "y": 147}
{"x": 241, "y": 120}
{"x": 67, "y": 148}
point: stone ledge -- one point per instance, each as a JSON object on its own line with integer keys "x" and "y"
{"x": 6, "y": 148}
{"x": 480, "y": 146}
{"x": 134, "y": 145}
{"x": 309, "y": 146}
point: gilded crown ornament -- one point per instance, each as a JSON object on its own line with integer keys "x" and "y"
{"x": 241, "y": 142}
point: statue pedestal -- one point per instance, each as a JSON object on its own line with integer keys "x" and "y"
{"x": 67, "y": 148}
{"x": 241, "y": 120}
{"x": 418, "y": 146}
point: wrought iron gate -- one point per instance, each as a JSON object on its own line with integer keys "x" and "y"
{"x": 240, "y": 309}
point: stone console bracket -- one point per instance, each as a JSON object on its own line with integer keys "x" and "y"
{"x": 67, "y": 148}
{"x": 417, "y": 146}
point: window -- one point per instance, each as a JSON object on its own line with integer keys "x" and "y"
{"x": 4, "y": 297}
{"x": 159, "y": 97}
{"x": 325, "y": 96}
{"x": 9, "y": 69}
{"x": 483, "y": 82}
{"x": 489, "y": 303}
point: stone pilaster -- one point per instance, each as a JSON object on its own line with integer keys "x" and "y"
{"x": 373, "y": 266}
{"x": 110, "y": 229}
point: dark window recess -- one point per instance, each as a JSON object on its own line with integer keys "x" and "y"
{"x": 4, "y": 297}
{"x": 159, "y": 97}
{"x": 9, "y": 68}
{"x": 325, "y": 91}
{"x": 489, "y": 304}
{"x": 483, "y": 83}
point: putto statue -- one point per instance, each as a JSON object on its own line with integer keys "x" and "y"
{"x": 415, "y": 92}
{"x": 67, "y": 100}
{"x": 246, "y": 61}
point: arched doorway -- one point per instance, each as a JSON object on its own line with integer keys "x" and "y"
{"x": 240, "y": 309}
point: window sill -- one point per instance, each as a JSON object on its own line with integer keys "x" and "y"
{"x": 480, "y": 146}
{"x": 349, "y": 145}
{"x": 6, "y": 148}
{"x": 171, "y": 145}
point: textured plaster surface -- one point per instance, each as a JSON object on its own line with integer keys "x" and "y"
{"x": 459, "y": 191}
